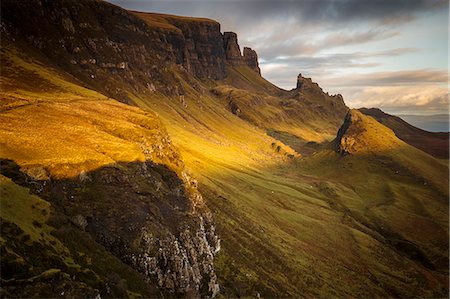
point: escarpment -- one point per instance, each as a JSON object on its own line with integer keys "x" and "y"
{"x": 119, "y": 52}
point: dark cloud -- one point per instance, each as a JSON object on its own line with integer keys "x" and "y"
{"x": 306, "y": 10}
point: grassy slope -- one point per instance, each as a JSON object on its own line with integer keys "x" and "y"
{"x": 67, "y": 129}
{"x": 54, "y": 127}
{"x": 289, "y": 227}
{"x": 285, "y": 224}
{"x": 433, "y": 143}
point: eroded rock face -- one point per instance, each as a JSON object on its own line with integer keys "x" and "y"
{"x": 201, "y": 48}
{"x": 232, "y": 50}
{"x": 118, "y": 52}
{"x": 184, "y": 263}
{"x": 251, "y": 59}
{"x": 149, "y": 214}
{"x": 233, "y": 53}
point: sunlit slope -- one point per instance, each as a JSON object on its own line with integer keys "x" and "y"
{"x": 319, "y": 226}
{"x": 362, "y": 135}
{"x": 113, "y": 177}
{"x": 49, "y": 120}
{"x": 366, "y": 224}
{"x": 307, "y": 112}
{"x": 433, "y": 143}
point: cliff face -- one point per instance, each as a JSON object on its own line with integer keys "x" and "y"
{"x": 233, "y": 53}
{"x": 106, "y": 46}
{"x": 196, "y": 43}
{"x": 114, "y": 177}
{"x": 122, "y": 183}
{"x": 251, "y": 59}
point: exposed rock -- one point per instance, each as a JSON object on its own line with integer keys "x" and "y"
{"x": 361, "y": 134}
{"x": 233, "y": 53}
{"x": 79, "y": 221}
{"x": 307, "y": 84}
{"x": 122, "y": 65}
{"x": 234, "y": 108}
{"x": 197, "y": 45}
{"x": 67, "y": 24}
{"x": 199, "y": 48}
{"x": 182, "y": 263}
{"x": 232, "y": 50}
{"x": 251, "y": 59}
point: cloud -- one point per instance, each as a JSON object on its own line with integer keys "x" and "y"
{"x": 426, "y": 99}
{"x": 337, "y": 60}
{"x": 285, "y": 44}
{"x": 306, "y": 10}
{"x": 410, "y": 77}
{"x": 328, "y": 69}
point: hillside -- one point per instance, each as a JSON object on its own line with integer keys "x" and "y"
{"x": 433, "y": 143}
{"x": 167, "y": 166}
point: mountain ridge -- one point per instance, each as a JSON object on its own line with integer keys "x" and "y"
{"x": 434, "y": 143}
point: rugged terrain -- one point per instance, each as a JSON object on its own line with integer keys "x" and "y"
{"x": 144, "y": 155}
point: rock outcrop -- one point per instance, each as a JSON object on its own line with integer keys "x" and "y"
{"x": 233, "y": 53}
{"x": 361, "y": 134}
{"x": 232, "y": 49}
{"x": 251, "y": 59}
{"x": 106, "y": 46}
{"x": 145, "y": 214}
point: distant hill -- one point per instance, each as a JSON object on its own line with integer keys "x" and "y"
{"x": 434, "y": 143}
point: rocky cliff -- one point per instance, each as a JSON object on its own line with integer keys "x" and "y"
{"x": 233, "y": 53}
{"x": 106, "y": 46}
{"x": 251, "y": 59}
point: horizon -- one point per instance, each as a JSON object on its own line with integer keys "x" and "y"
{"x": 376, "y": 54}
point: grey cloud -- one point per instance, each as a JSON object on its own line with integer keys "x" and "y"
{"x": 292, "y": 27}
{"x": 302, "y": 45}
{"x": 410, "y": 77}
{"x": 307, "y": 10}
{"x": 337, "y": 61}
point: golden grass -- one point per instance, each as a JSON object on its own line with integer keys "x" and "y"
{"x": 30, "y": 213}
{"x": 165, "y": 21}
{"x": 67, "y": 138}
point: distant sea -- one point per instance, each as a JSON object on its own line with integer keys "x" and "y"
{"x": 432, "y": 123}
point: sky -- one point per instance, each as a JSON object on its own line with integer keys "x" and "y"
{"x": 391, "y": 54}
